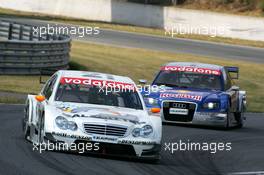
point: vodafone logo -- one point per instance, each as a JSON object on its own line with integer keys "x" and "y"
{"x": 186, "y": 96}
{"x": 191, "y": 69}
{"x": 75, "y": 81}
{"x": 94, "y": 82}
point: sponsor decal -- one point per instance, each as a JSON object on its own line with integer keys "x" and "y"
{"x": 105, "y": 138}
{"x": 133, "y": 142}
{"x": 71, "y": 136}
{"x": 126, "y": 118}
{"x": 186, "y": 96}
{"x": 191, "y": 69}
{"x": 99, "y": 113}
{"x": 99, "y": 83}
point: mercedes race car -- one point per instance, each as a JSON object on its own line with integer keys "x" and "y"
{"x": 103, "y": 110}
{"x": 195, "y": 93}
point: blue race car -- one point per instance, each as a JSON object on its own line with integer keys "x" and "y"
{"x": 196, "y": 93}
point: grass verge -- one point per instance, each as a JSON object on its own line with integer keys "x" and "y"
{"x": 140, "y": 63}
{"x": 127, "y": 28}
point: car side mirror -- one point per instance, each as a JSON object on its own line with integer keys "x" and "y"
{"x": 142, "y": 81}
{"x": 40, "y": 98}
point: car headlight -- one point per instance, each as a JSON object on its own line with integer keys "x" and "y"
{"x": 61, "y": 122}
{"x": 72, "y": 126}
{"x": 64, "y": 124}
{"x": 152, "y": 101}
{"x": 145, "y": 131}
{"x": 136, "y": 132}
{"x": 211, "y": 105}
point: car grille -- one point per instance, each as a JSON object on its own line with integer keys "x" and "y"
{"x": 105, "y": 129}
{"x": 176, "y": 117}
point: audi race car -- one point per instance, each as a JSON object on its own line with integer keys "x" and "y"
{"x": 86, "y": 107}
{"x": 195, "y": 93}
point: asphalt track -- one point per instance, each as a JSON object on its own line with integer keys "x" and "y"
{"x": 17, "y": 155}
{"x": 174, "y": 45}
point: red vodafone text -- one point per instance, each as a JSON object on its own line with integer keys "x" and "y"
{"x": 191, "y": 69}
{"x": 99, "y": 83}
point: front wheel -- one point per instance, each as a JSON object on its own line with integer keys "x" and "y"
{"x": 25, "y": 127}
{"x": 228, "y": 119}
{"x": 41, "y": 131}
{"x": 227, "y": 124}
{"x": 240, "y": 119}
{"x": 239, "y": 116}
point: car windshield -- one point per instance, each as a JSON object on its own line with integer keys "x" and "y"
{"x": 188, "y": 80}
{"x": 95, "y": 95}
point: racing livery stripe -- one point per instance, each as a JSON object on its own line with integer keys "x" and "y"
{"x": 186, "y": 96}
{"x": 191, "y": 69}
{"x": 94, "y": 82}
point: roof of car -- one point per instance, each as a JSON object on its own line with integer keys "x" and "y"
{"x": 194, "y": 64}
{"x": 95, "y": 75}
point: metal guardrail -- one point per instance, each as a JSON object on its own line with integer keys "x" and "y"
{"x": 22, "y": 51}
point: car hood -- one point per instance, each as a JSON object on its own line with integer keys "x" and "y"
{"x": 89, "y": 112}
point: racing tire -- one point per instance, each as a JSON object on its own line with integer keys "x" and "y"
{"x": 240, "y": 119}
{"x": 228, "y": 116}
{"x": 240, "y": 122}
{"x": 25, "y": 127}
{"x": 41, "y": 131}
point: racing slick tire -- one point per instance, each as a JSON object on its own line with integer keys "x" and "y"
{"x": 239, "y": 116}
{"x": 240, "y": 120}
{"x": 41, "y": 131}
{"x": 25, "y": 127}
{"x": 228, "y": 118}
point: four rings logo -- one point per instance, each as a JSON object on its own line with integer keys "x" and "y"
{"x": 179, "y": 105}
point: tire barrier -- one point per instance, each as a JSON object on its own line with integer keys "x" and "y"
{"x": 24, "y": 52}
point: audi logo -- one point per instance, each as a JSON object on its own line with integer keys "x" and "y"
{"x": 179, "y": 105}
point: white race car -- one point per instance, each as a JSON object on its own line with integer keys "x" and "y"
{"x": 102, "y": 110}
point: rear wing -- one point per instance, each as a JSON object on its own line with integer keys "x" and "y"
{"x": 233, "y": 72}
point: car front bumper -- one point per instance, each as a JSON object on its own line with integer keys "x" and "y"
{"x": 203, "y": 118}
{"x": 137, "y": 149}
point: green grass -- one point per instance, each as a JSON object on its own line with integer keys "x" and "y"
{"x": 126, "y": 28}
{"x": 140, "y": 63}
